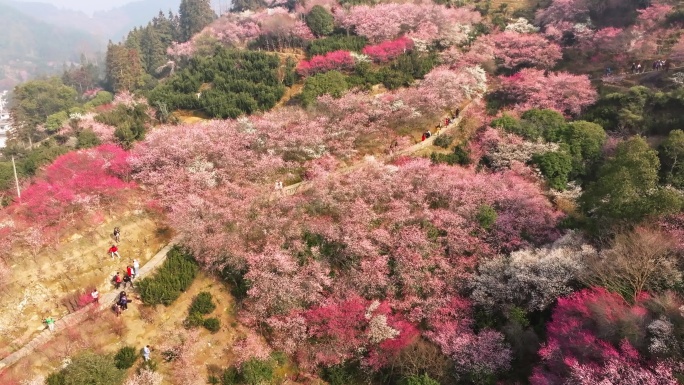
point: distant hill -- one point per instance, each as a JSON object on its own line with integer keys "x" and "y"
{"x": 29, "y": 47}
{"x": 113, "y": 24}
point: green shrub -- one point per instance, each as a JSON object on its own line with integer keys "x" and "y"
{"x": 125, "y": 357}
{"x": 102, "y": 97}
{"x": 549, "y": 123}
{"x": 193, "y": 320}
{"x": 458, "y": 156}
{"x": 238, "y": 284}
{"x": 336, "y": 43}
{"x": 89, "y": 369}
{"x": 331, "y": 82}
{"x": 56, "y": 378}
{"x": 130, "y": 122}
{"x": 515, "y": 126}
{"x": 419, "y": 380}
{"x": 555, "y": 166}
{"x": 242, "y": 82}
{"x": 230, "y": 376}
{"x": 150, "y": 365}
{"x": 86, "y": 139}
{"x": 320, "y": 21}
{"x": 173, "y": 278}
{"x": 486, "y": 216}
{"x": 343, "y": 374}
{"x": 54, "y": 122}
{"x": 257, "y": 372}
{"x": 212, "y": 324}
{"x": 415, "y": 64}
{"x": 202, "y": 304}
{"x": 443, "y": 141}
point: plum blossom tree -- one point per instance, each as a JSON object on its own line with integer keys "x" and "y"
{"x": 561, "y": 91}
{"x": 388, "y": 50}
{"x": 388, "y": 21}
{"x": 593, "y": 335}
{"x": 515, "y": 50}
{"x": 521, "y": 25}
{"x": 73, "y": 183}
{"x": 530, "y": 279}
{"x": 336, "y": 60}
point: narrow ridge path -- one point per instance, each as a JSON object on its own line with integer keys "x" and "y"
{"x": 106, "y": 299}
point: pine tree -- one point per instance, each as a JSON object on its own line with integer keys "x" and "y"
{"x": 124, "y": 68}
{"x": 194, "y": 16}
{"x": 152, "y": 49}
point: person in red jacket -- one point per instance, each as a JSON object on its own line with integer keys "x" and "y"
{"x": 114, "y": 251}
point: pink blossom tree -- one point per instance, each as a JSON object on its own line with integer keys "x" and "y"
{"x": 336, "y": 60}
{"x": 592, "y": 336}
{"x": 516, "y": 50}
{"x": 560, "y": 91}
{"x": 388, "y": 50}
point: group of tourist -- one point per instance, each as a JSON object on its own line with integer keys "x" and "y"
{"x": 657, "y": 65}
{"x": 130, "y": 273}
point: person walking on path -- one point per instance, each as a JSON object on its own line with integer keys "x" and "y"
{"x": 123, "y": 300}
{"x": 50, "y": 323}
{"x": 96, "y": 296}
{"x": 114, "y": 251}
{"x": 117, "y": 280}
{"x": 127, "y": 280}
{"x": 130, "y": 271}
{"x": 117, "y": 234}
{"x": 146, "y": 352}
{"x": 136, "y": 266}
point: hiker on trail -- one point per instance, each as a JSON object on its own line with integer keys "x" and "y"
{"x": 123, "y": 301}
{"x": 146, "y": 352}
{"x": 130, "y": 271}
{"x": 136, "y": 266}
{"x": 639, "y": 68}
{"x": 117, "y": 234}
{"x": 50, "y": 323}
{"x": 96, "y": 296}
{"x": 422, "y": 138}
{"x": 633, "y": 67}
{"x": 427, "y": 134}
{"x": 117, "y": 280}
{"x": 116, "y": 309}
{"x": 114, "y": 251}
{"x": 127, "y": 280}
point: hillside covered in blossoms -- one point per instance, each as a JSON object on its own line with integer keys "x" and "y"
{"x": 412, "y": 193}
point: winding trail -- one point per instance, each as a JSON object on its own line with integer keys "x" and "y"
{"x": 109, "y": 297}
{"x": 305, "y": 185}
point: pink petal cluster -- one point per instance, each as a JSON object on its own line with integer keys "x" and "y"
{"x": 388, "y": 50}
{"x": 336, "y": 60}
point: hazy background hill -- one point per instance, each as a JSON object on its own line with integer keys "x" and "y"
{"x": 108, "y": 24}
{"x": 40, "y": 38}
{"x": 29, "y": 47}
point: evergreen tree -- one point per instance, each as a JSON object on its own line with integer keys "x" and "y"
{"x": 124, "y": 68}
{"x": 247, "y": 5}
{"x": 194, "y": 16}
{"x": 627, "y": 187}
{"x": 320, "y": 21}
{"x": 152, "y": 49}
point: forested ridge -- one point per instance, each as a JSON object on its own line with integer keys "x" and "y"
{"x": 494, "y": 194}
